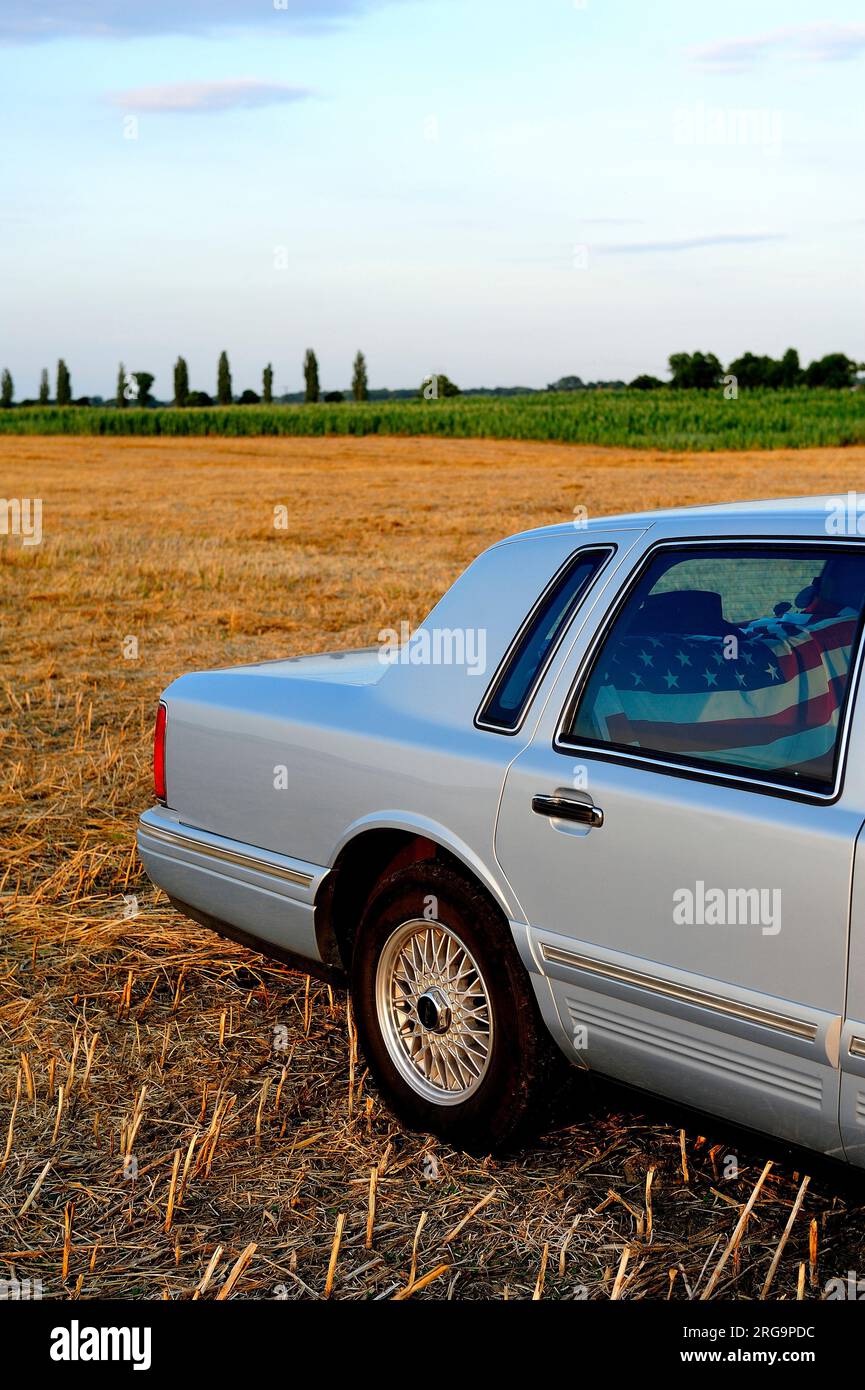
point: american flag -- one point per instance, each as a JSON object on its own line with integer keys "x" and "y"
{"x": 769, "y": 699}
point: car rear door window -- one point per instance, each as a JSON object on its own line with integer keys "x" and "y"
{"x": 730, "y": 657}
{"x": 527, "y": 658}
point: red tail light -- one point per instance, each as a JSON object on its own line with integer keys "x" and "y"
{"x": 159, "y": 754}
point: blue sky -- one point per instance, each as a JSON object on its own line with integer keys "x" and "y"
{"x": 503, "y": 191}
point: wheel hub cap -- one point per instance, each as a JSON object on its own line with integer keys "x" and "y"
{"x": 434, "y": 1011}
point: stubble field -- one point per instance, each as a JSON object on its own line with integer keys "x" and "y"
{"x": 154, "y": 1143}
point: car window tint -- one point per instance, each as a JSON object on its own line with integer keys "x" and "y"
{"x": 731, "y": 656}
{"x": 517, "y": 677}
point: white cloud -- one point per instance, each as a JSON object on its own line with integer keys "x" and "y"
{"x": 23, "y": 21}
{"x": 816, "y": 43}
{"x": 186, "y": 98}
{"x": 637, "y": 248}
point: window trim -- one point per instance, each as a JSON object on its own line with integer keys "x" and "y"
{"x": 605, "y": 551}
{"x": 695, "y": 770}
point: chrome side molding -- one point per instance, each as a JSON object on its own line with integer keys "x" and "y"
{"x": 223, "y": 855}
{"x": 730, "y": 1008}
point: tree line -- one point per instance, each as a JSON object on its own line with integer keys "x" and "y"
{"x": 135, "y": 388}
{"x": 702, "y": 371}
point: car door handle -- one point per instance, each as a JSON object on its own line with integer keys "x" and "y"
{"x": 564, "y": 808}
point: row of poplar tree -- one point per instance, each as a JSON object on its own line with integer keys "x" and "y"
{"x": 64, "y": 387}
{"x": 225, "y": 393}
{"x": 134, "y": 388}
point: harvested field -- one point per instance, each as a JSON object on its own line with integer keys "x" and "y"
{"x": 180, "y": 1117}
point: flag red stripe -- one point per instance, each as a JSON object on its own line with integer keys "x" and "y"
{"x": 723, "y": 734}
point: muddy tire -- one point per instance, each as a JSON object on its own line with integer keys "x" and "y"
{"x": 445, "y": 1012}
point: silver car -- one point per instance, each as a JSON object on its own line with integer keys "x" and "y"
{"x": 606, "y": 804}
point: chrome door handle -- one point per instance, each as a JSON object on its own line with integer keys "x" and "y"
{"x": 564, "y": 808}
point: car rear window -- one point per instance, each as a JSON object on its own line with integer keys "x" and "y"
{"x": 524, "y": 664}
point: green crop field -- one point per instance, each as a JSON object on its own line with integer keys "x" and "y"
{"x": 663, "y": 419}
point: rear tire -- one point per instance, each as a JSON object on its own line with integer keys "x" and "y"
{"x": 445, "y": 1012}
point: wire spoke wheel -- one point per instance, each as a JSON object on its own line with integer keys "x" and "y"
{"x": 434, "y": 1011}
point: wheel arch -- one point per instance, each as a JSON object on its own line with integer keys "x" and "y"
{"x": 377, "y": 845}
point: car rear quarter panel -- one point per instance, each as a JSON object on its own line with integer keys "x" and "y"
{"x": 401, "y": 750}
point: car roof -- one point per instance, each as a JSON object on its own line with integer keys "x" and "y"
{"x": 795, "y": 509}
